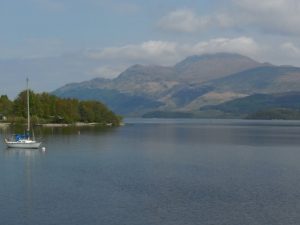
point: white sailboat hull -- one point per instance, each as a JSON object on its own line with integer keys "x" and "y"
{"x": 23, "y": 144}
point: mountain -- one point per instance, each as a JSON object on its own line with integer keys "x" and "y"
{"x": 207, "y": 67}
{"x": 265, "y": 79}
{"x": 155, "y": 81}
{"x": 194, "y": 83}
{"x": 258, "y": 105}
{"x": 121, "y": 103}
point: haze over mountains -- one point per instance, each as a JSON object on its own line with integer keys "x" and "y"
{"x": 188, "y": 87}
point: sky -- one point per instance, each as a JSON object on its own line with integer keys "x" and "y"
{"x": 55, "y": 42}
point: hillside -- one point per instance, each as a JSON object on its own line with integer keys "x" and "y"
{"x": 266, "y": 79}
{"x": 193, "y": 83}
{"x": 257, "y": 103}
{"x": 207, "y": 67}
{"x": 121, "y": 103}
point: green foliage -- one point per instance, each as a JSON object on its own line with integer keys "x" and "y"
{"x": 48, "y": 108}
{"x": 17, "y": 120}
{"x": 5, "y": 105}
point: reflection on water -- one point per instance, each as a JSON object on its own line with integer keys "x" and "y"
{"x": 24, "y": 153}
{"x": 45, "y": 131}
{"x": 18, "y": 179}
{"x": 160, "y": 172}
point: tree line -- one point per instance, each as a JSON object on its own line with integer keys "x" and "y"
{"x": 46, "y": 108}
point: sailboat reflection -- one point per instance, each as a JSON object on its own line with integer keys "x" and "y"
{"x": 27, "y": 160}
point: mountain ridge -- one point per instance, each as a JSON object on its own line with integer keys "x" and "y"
{"x": 192, "y": 83}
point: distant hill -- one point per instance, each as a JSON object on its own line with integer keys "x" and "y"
{"x": 190, "y": 85}
{"x": 275, "y": 114}
{"x": 258, "y": 103}
{"x": 265, "y": 79}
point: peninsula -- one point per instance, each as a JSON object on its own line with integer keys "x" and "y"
{"x": 49, "y": 109}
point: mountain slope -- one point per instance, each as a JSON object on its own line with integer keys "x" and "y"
{"x": 212, "y": 66}
{"x": 119, "y": 102}
{"x": 267, "y": 79}
{"x": 258, "y": 103}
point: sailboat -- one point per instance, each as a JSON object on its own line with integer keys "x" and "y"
{"x": 24, "y": 140}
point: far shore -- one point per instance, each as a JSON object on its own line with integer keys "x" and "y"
{"x": 78, "y": 124}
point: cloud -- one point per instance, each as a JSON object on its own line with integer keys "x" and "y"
{"x": 150, "y": 51}
{"x": 270, "y": 16}
{"x": 107, "y": 71}
{"x": 188, "y": 21}
{"x": 267, "y": 16}
{"x": 266, "y": 5}
{"x": 290, "y": 47}
{"x": 168, "y": 53}
{"x": 242, "y": 45}
{"x": 183, "y": 20}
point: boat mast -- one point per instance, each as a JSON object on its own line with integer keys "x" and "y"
{"x": 28, "y": 113}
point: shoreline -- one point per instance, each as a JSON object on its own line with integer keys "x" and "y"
{"x": 78, "y": 124}
{"x": 4, "y": 125}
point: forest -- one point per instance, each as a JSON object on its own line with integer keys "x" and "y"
{"x": 46, "y": 108}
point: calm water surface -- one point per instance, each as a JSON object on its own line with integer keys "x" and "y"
{"x": 169, "y": 172}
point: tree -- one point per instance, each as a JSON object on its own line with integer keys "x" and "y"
{"x": 5, "y": 105}
{"x": 54, "y": 109}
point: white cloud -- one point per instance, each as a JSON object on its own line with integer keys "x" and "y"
{"x": 222, "y": 20}
{"x": 290, "y": 49}
{"x": 106, "y": 71}
{"x": 242, "y": 45}
{"x": 267, "y": 16}
{"x": 151, "y": 52}
{"x": 183, "y": 20}
{"x": 187, "y": 21}
{"x": 266, "y": 5}
{"x": 275, "y": 16}
{"x": 168, "y": 53}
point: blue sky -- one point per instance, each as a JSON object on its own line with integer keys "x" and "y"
{"x": 55, "y": 42}
{"x": 82, "y": 24}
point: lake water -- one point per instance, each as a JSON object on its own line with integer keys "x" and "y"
{"x": 169, "y": 172}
